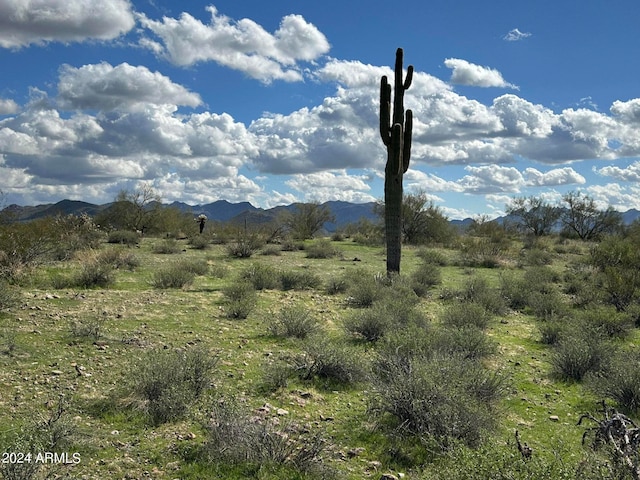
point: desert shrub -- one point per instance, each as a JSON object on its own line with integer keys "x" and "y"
{"x": 477, "y": 290}
{"x": 194, "y": 265}
{"x": 336, "y": 285}
{"x": 482, "y": 252}
{"x": 241, "y": 299}
{"x": 329, "y": 360}
{"x": 579, "y": 352}
{"x": 235, "y": 437}
{"x": 547, "y": 304}
{"x": 93, "y": 274}
{"x": 294, "y": 321}
{"x": 244, "y": 246}
{"x": 468, "y": 342}
{"x": 9, "y": 296}
{"x": 124, "y": 237}
{"x": 88, "y": 327}
{"x": 362, "y": 289}
{"x": 606, "y": 320}
{"x": 619, "y": 380}
{"x": 168, "y": 381}
{"x": 541, "y": 276}
{"x": 371, "y": 323}
{"x": 552, "y": 331}
{"x": 199, "y": 242}
{"x": 322, "y": 248}
{"x": 441, "y": 399}
{"x": 174, "y": 275}
{"x": 271, "y": 250}
{"x": 168, "y": 246}
{"x": 579, "y": 285}
{"x": 261, "y": 276}
{"x": 298, "y": 280}
{"x": 118, "y": 258}
{"x": 536, "y": 257}
{"x": 427, "y": 276}
{"x": 466, "y": 314}
{"x": 219, "y": 270}
{"x": 432, "y": 257}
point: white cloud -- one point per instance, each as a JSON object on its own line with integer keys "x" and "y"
{"x": 8, "y": 106}
{"x": 515, "y": 35}
{"x": 332, "y": 185}
{"x": 26, "y": 22}
{"x": 487, "y": 179}
{"x": 627, "y": 174}
{"x": 104, "y": 87}
{"x": 419, "y": 180}
{"x": 558, "y": 176}
{"x": 466, "y": 73}
{"x": 241, "y": 45}
{"x": 616, "y": 196}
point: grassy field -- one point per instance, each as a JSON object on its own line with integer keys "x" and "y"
{"x": 72, "y": 360}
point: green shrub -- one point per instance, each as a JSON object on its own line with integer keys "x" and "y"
{"x": 552, "y": 331}
{"x": 294, "y": 321}
{"x": 168, "y": 246}
{"x": 336, "y": 285}
{"x": 548, "y": 304}
{"x": 468, "y": 342}
{"x": 244, "y": 246}
{"x": 371, "y": 323}
{"x": 431, "y": 256}
{"x": 174, "y": 275}
{"x": 9, "y": 296}
{"x": 477, "y": 290}
{"x": 363, "y": 290}
{"x": 425, "y": 278}
{"x": 241, "y": 299}
{"x": 322, "y": 248}
{"x": 579, "y": 352}
{"x": 194, "y": 265}
{"x": 199, "y": 242}
{"x": 619, "y": 380}
{"x": 169, "y": 381}
{"x": 91, "y": 327}
{"x": 118, "y": 258}
{"x": 271, "y": 250}
{"x": 124, "y": 237}
{"x": 466, "y": 314}
{"x": 298, "y": 280}
{"x": 94, "y": 274}
{"x": 330, "y": 360}
{"x": 606, "y": 320}
{"x": 441, "y": 400}
{"x": 261, "y": 276}
{"x": 234, "y": 437}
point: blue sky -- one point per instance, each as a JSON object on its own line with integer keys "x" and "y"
{"x": 277, "y": 102}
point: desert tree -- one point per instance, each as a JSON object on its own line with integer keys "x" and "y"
{"x": 582, "y": 217}
{"x": 308, "y": 219}
{"x": 132, "y": 210}
{"x": 534, "y": 215}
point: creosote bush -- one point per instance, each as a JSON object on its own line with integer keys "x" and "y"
{"x": 124, "y": 237}
{"x": 241, "y": 299}
{"x": 168, "y": 246}
{"x": 322, "y": 248}
{"x": 169, "y": 381}
{"x": 298, "y": 280}
{"x": 427, "y": 276}
{"x": 294, "y": 321}
{"x": 466, "y": 314}
{"x": 261, "y": 276}
{"x": 174, "y": 275}
{"x": 619, "y": 380}
{"x": 439, "y": 400}
{"x": 237, "y": 437}
{"x": 579, "y": 352}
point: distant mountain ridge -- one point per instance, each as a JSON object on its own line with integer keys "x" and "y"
{"x": 224, "y": 211}
{"x": 220, "y": 211}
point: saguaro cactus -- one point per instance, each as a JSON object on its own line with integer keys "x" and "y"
{"x": 396, "y": 136}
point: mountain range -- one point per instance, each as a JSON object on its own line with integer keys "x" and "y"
{"x": 224, "y": 211}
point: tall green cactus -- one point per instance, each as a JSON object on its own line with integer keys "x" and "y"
{"x": 397, "y": 138}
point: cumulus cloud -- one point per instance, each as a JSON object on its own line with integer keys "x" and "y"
{"x": 627, "y": 174}
{"x": 558, "y": 176}
{"x": 515, "y": 35}
{"x": 26, "y": 22}
{"x": 241, "y": 45}
{"x": 466, "y": 73}
{"x": 487, "y": 179}
{"x": 8, "y": 106}
{"x": 104, "y": 87}
{"x": 332, "y": 185}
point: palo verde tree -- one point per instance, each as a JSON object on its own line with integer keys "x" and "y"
{"x": 396, "y": 135}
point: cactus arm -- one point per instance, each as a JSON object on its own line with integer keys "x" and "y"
{"x": 385, "y": 111}
{"x": 408, "y": 78}
{"x": 406, "y": 148}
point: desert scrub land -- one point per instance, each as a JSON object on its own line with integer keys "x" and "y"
{"x": 184, "y": 359}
